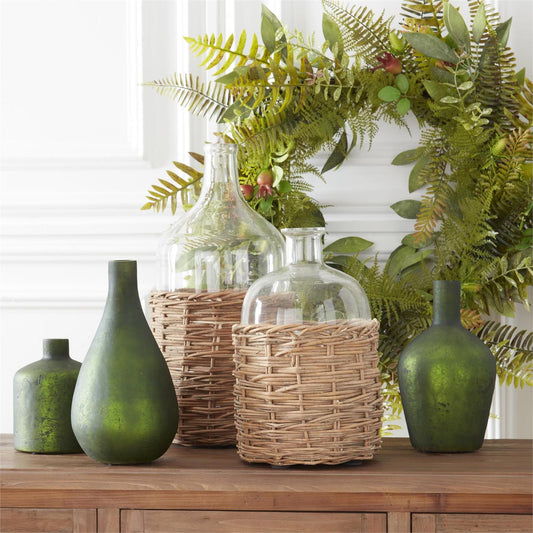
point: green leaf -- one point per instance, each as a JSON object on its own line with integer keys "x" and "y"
{"x": 402, "y": 83}
{"x": 389, "y": 94}
{"x": 269, "y": 26}
{"x": 479, "y": 24}
{"x": 407, "y": 157}
{"x": 339, "y": 260}
{"x": 415, "y": 181}
{"x": 431, "y": 46}
{"x": 277, "y": 173}
{"x": 403, "y": 106}
{"x": 450, "y": 100}
{"x": 436, "y": 90}
{"x": 332, "y": 34}
{"x": 265, "y": 204}
{"x": 284, "y": 187}
{"x": 456, "y": 26}
{"x": 231, "y": 77}
{"x": 441, "y": 75}
{"x": 348, "y": 245}
{"x": 466, "y": 86}
{"x": 234, "y": 111}
{"x": 404, "y": 257}
{"x": 413, "y": 242}
{"x": 338, "y": 155}
{"x": 521, "y": 76}
{"x": 502, "y": 31}
{"x": 407, "y": 208}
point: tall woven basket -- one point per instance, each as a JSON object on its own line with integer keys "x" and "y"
{"x": 307, "y": 394}
{"x": 193, "y": 331}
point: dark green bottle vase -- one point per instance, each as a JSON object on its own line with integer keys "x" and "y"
{"x": 42, "y": 397}
{"x": 447, "y": 378}
{"x": 124, "y": 409}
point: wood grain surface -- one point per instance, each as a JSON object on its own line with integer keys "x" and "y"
{"x": 495, "y": 479}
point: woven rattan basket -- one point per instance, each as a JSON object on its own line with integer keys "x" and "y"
{"x": 193, "y": 331}
{"x": 307, "y": 394}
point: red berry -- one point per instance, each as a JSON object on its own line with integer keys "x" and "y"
{"x": 247, "y": 191}
{"x": 265, "y": 178}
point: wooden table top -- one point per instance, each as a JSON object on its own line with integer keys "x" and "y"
{"x": 197, "y": 478}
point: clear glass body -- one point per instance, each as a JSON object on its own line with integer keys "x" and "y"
{"x": 305, "y": 290}
{"x": 221, "y": 243}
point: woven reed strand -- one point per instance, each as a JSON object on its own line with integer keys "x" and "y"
{"x": 307, "y": 394}
{"x": 193, "y": 331}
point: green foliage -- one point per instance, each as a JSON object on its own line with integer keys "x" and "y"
{"x": 206, "y": 100}
{"x": 286, "y": 99}
{"x": 187, "y": 187}
{"x": 513, "y": 350}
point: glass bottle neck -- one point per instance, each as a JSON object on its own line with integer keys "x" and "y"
{"x": 446, "y": 302}
{"x": 221, "y": 173}
{"x": 303, "y": 245}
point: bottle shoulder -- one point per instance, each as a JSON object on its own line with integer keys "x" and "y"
{"x": 304, "y": 292}
{"x": 48, "y": 366}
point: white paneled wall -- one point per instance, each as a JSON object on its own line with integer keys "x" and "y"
{"x": 81, "y": 141}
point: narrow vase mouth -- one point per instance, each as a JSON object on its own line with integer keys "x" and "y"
{"x": 122, "y": 265}
{"x": 304, "y": 232}
{"x": 55, "y": 348}
{"x": 217, "y": 147}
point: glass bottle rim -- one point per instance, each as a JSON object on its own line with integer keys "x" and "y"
{"x": 215, "y": 147}
{"x": 304, "y": 232}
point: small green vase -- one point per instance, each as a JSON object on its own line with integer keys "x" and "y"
{"x": 124, "y": 409}
{"x": 42, "y": 397}
{"x": 447, "y": 378}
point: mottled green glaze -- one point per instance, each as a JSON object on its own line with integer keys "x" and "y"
{"x": 42, "y": 397}
{"x": 447, "y": 378}
{"x": 124, "y": 408}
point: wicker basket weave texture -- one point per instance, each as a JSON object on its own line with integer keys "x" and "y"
{"x": 307, "y": 394}
{"x": 193, "y": 331}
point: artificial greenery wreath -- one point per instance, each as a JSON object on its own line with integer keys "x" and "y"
{"x": 286, "y": 99}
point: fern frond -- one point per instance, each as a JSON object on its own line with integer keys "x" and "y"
{"x": 497, "y": 87}
{"x": 362, "y": 31}
{"x": 420, "y": 14}
{"x": 274, "y": 87}
{"x": 513, "y": 350}
{"x": 165, "y": 191}
{"x": 432, "y": 208}
{"x": 216, "y": 51}
{"x": 206, "y": 100}
{"x": 471, "y": 319}
{"x": 524, "y": 117}
{"x": 262, "y": 134}
{"x": 512, "y": 190}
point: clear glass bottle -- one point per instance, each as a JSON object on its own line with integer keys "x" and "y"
{"x": 306, "y": 289}
{"x": 221, "y": 243}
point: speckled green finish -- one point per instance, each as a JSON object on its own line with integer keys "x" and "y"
{"x": 447, "y": 378}
{"x": 42, "y": 397}
{"x": 124, "y": 408}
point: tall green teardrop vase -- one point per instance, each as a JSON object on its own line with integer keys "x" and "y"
{"x": 446, "y": 378}
{"x": 42, "y": 397}
{"x": 124, "y": 409}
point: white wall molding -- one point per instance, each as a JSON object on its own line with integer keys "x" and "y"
{"x": 25, "y": 164}
{"x": 83, "y": 141}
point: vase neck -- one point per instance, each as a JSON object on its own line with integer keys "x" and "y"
{"x": 446, "y": 302}
{"x": 303, "y": 245}
{"x": 122, "y": 288}
{"x": 221, "y": 173}
{"x": 55, "y": 349}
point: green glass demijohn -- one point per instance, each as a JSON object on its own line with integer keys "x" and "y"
{"x": 446, "y": 378}
{"x": 124, "y": 409}
{"x": 42, "y": 397}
